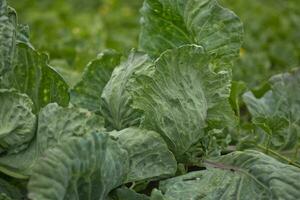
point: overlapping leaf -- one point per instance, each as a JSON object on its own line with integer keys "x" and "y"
{"x": 17, "y": 122}
{"x": 98, "y": 163}
{"x": 87, "y": 92}
{"x": 55, "y": 124}
{"x": 149, "y": 156}
{"x": 182, "y": 97}
{"x": 115, "y": 100}
{"x": 81, "y": 168}
{"x": 239, "y": 175}
{"x": 167, "y": 24}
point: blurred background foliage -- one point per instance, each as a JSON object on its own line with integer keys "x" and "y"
{"x": 74, "y": 31}
{"x": 271, "y": 39}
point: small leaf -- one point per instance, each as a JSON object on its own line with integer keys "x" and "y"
{"x": 156, "y": 195}
{"x": 276, "y": 113}
{"x": 23, "y": 35}
{"x": 17, "y": 122}
{"x": 87, "y": 92}
{"x": 128, "y": 194}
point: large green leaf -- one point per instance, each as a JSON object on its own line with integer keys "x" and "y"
{"x": 55, "y": 124}
{"x": 32, "y": 75}
{"x": 171, "y": 23}
{"x": 7, "y": 37}
{"x": 277, "y": 112}
{"x": 81, "y": 168}
{"x": 239, "y": 175}
{"x": 115, "y": 100}
{"x": 17, "y": 122}
{"x": 149, "y": 156}
{"x": 182, "y": 97}
{"x": 87, "y": 92}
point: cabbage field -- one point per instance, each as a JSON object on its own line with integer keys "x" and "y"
{"x": 149, "y": 100}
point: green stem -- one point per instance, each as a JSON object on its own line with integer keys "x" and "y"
{"x": 296, "y": 152}
{"x": 229, "y": 149}
{"x": 132, "y": 185}
{"x": 289, "y": 161}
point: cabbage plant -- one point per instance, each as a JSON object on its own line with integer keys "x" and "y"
{"x": 162, "y": 123}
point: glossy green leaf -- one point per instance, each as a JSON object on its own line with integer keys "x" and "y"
{"x": 7, "y": 37}
{"x": 115, "y": 100}
{"x": 87, "y": 92}
{"x": 182, "y": 97}
{"x": 80, "y": 168}
{"x": 17, "y": 122}
{"x": 239, "y": 175}
{"x": 168, "y": 24}
{"x": 150, "y": 158}
{"x": 32, "y": 75}
{"x": 55, "y": 124}
{"x": 276, "y": 113}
